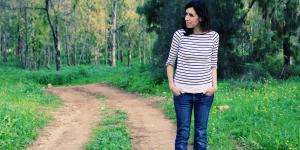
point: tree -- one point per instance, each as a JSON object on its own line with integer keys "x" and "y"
{"x": 113, "y": 33}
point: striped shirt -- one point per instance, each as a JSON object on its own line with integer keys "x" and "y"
{"x": 197, "y": 54}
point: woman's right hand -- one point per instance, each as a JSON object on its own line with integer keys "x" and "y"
{"x": 176, "y": 91}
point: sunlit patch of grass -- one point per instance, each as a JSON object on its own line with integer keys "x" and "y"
{"x": 111, "y": 132}
{"x": 24, "y": 107}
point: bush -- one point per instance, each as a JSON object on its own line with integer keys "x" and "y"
{"x": 255, "y": 72}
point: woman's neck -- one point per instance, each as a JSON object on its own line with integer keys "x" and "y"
{"x": 198, "y": 30}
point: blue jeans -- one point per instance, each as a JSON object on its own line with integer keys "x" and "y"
{"x": 183, "y": 106}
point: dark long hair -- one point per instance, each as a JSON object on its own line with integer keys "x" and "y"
{"x": 201, "y": 10}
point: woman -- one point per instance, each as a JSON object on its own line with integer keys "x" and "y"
{"x": 195, "y": 82}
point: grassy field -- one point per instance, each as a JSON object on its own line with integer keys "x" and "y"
{"x": 262, "y": 115}
{"x": 24, "y": 108}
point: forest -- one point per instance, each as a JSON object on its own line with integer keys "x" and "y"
{"x": 257, "y": 35}
{"x": 125, "y": 43}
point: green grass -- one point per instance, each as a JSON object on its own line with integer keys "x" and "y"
{"x": 111, "y": 132}
{"x": 265, "y": 117}
{"x": 24, "y": 108}
{"x": 262, "y": 115}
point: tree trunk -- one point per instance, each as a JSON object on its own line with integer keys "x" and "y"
{"x": 144, "y": 43}
{"x": 84, "y": 43}
{"x": 26, "y": 41}
{"x": 96, "y": 54}
{"x": 140, "y": 52}
{"x": 105, "y": 35}
{"x": 150, "y": 49}
{"x": 129, "y": 55}
{"x": 121, "y": 53}
{"x": 75, "y": 40}
{"x": 66, "y": 37}
{"x": 287, "y": 51}
{"x": 39, "y": 59}
{"x": 53, "y": 52}
{"x": 117, "y": 51}
{"x": 90, "y": 54}
{"x": 0, "y": 42}
{"x": 75, "y": 49}
{"x": 29, "y": 61}
{"x": 48, "y": 55}
{"x": 113, "y": 52}
{"x": 44, "y": 56}
{"x": 11, "y": 54}
{"x": 4, "y": 48}
{"x": 20, "y": 47}
{"x": 55, "y": 33}
{"x": 33, "y": 56}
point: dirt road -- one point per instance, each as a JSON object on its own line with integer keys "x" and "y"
{"x": 148, "y": 126}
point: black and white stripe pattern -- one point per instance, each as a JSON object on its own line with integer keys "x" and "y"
{"x": 197, "y": 54}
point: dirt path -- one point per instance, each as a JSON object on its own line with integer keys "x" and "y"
{"x": 149, "y": 126}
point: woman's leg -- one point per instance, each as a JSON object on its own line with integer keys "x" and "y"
{"x": 183, "y": 107}
{"x": 201, "y": 111}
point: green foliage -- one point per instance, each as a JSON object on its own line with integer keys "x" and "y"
{"x": 111, "y": 132}
{"x": 255, "y": 72}
{"x": 23, "y": 109}
{"x": 57, "y": 78}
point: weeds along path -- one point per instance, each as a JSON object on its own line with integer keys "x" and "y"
{"x": 149, "y": 127}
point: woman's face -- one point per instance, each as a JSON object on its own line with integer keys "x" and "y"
{"x": 191, "y": 18}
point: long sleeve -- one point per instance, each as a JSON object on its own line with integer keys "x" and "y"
{"x": 174, "y": 49}
{"x": 214, "y": 57}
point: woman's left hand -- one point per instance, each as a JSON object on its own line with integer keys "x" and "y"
{"x": 210, "y": 91}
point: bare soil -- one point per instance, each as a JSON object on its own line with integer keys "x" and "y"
{"x": 149, "y": 127}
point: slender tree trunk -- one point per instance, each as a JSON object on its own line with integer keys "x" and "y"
{"x": 96, "y": 54}
{"x": 90, "y": 54}
{"x": 1, "y": 44}
{"x": 140, "y": 52}
{"x": 39, "y": 59}
{"x": 121, "y": 53}
{"x": 150, "y": 49}
{"x": 4, "y": 48}
{"x": 85, "y": 34}
{"x": 54, "y": 52}
{"x": 105, "y": 35}
{"x": 55, "y": 34}
{"x": 66, "y": 36}
{"x": 243, "y": 50}
{"x": 26, "y": 41}
{"x": 129, "y": 54}
{"x": 34, "y": 60}
{"x": 84, "y": 44}
{"x": 113, "y": 52}
{"x": 33, "y": 52}
{"x": 117, "y": 51}
{"x": 44, "y": 56}
{"x": 48, "y": 55}
{"x": 20, "y": 47}
{"x": 86, "y": 30}
{"x": 75, "y": 39}
{"x": 144, "y": 43}
{"x": 29, "y": 60}
{"x": 287, "y": 51}
{"x": 11, "y": 54}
